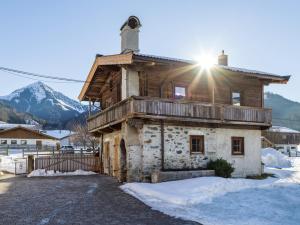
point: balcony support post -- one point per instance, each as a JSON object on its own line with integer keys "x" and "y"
{"x": 162, "y": 140}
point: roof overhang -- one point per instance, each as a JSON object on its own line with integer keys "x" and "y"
{"x": 29, "y": 130}
{"x": 121, "y": 60}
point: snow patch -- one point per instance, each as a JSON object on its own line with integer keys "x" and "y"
{"x": 273, "y": 158}
{"x": 215, "y": 200}
{"x": 52, "y": 173}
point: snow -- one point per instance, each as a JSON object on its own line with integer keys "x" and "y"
{"x": 232, "y": 201}
{"x": 52, "y": 173}
{"x": 273, "y": 158}
{"x": 59, "y": 134}
{"x": 39, "y": 91}
{"x": 4, "y": 126}
{"x": 282, "y": 129}
{"x": 35, "y": 88}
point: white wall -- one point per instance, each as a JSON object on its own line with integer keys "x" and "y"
{"x": 48, "y": 142}
{"x": 217, "y": 145}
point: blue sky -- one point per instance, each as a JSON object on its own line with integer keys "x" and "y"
{"x": 61, "y": 38}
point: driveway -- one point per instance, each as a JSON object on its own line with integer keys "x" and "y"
{"x": 74, "y": 200}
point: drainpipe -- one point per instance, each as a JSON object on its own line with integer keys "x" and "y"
{"x": 101, "y": 155}
{"x": 162, "y": 143}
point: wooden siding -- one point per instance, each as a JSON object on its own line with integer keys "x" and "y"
{"x": 200, "y": 87}
{"x": 193, "y": 111}
{"x": 111, "y": 91}
{"x": 282, "y": 137}
{"x": 23, "y": 133}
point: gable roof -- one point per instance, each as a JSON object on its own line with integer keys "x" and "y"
{"x": 130, "y": 58}
{"x": 11, "y": 133}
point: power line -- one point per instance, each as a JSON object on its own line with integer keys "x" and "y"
{"x": 40, "y": 75}
{"x": 19, "y": 75}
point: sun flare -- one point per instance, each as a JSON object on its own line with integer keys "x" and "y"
{"x": 206, "y": 60}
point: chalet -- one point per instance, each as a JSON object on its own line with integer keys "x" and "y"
{"x": 283, "y": 139}
{"x": 20, "y": 136}
{"x": 166, "y": 114}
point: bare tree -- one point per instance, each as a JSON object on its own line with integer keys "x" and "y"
{"x": 82, "y": 137}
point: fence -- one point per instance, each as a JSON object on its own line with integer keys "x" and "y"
{"x": 68, "y": 162}
{"x": 45, "y": 157}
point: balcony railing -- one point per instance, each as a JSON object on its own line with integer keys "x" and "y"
{"x": 180, "y": 110}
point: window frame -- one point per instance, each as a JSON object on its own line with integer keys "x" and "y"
{"x": 13, "y": 141}
{"x": 180, "y": 86}
{"x": 23, "y": 141}
{"x": 242, "y": 151}
{"x": 201, "y": 145}
{"x": 231, "y": 97}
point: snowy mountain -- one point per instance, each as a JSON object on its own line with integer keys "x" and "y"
{"x": 43, "y": 102}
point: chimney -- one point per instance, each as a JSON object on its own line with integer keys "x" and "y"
{"x": 130, "y": 35}
{"x": 223, "y": 59}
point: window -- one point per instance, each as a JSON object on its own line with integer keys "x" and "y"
{"x": 237, "y": 145}
{"x": 180, "y": 92}
{"x": 23, "y": 142}
{"x": 197, "y": 144}
{"x": 236, "y": 98}
{"x": 3, "y": 142}
{"x": 13, "y": 142}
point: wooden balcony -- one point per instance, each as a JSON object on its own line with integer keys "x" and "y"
{"x": 179, "y": 110}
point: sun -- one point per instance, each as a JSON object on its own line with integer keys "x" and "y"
{"x": 206, "y": 60}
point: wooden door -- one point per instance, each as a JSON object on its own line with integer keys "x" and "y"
{"x": 116, "y": 157}
{"x": 106, "y": 159}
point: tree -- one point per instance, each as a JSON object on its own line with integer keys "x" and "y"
{"x": 83, "y": 137}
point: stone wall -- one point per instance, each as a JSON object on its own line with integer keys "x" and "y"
{"x": 217, "y": 145}
{"x": 143, "y": 149}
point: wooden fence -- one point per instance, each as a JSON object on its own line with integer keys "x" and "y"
{"x": 68, "y": 162}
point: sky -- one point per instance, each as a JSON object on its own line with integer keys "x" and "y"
{"x": 61, "y": 37}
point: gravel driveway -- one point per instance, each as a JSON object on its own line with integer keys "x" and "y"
{"x": 74, "y": 200}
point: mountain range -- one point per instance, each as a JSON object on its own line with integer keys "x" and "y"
{"x": 51, "y": 107}
{"x": 284, "y": 111}
{"x": 39, "y": 103}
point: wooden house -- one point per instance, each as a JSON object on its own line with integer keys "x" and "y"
{"x": 166, "y": 114}
{"x": 283, "y": 139}
{"x": 24, "y": 137}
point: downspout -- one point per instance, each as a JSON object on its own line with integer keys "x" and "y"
{"x": 162, "y": 131}
{"x": 101, "y": 155}
{"x": 162, "y": 143}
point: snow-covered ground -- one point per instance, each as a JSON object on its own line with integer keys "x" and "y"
{"x": 220, "y": 201}
{"x": 52, "y": 173}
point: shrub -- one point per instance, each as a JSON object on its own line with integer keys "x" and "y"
{"x": 221, "y": 167}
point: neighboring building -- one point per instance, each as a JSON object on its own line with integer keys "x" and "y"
{"x": 64, "y": 136}
{"x": 169, "y": 114}
{"x": 283, "y": 139}
{"x": 22, "y": 136}
{"x": 4, "y": 126}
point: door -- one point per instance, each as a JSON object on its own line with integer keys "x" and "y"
{"x": 106, "y": 159}
{"x": 123, "y": 161}
{"x": 39, "y": 145}
{"x": 116, "y": 166}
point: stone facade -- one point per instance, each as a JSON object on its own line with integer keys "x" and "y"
{"x": 143, "y": 149}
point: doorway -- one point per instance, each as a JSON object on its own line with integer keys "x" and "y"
{"x": 106, "y": 157}
{"x": 116, "y": 164}
{"x": 123, "y": 161}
